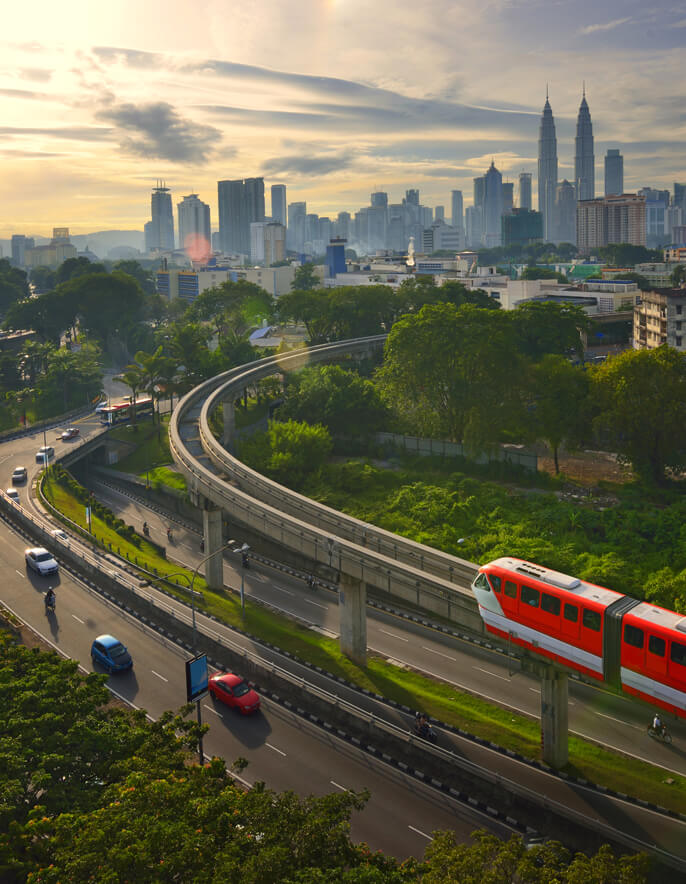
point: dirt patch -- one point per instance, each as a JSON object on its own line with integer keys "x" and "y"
{"x": 587, "y": 467}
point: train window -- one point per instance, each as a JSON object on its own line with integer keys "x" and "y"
{"x": 633, "y": 636}
{"x": 591, "y": 620}
{"x": 530, "y": 596}
{"x": 656, "y": 645}
{"x": 495, "y": 581}
{"x": 481, "y": 582}
{"x": 571, "y": 613}
{"x": 550, "y": 603}
{"x": 511, "y": 589}
{"x": 678, "y": 653}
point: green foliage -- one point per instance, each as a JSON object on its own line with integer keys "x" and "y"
{"x": 627, "y": 255}
{"x": 678, "y": 275}
{"x": 542, "y": 273}
{"x": 13, "y": 285}
{"x": 288, "y": 452}
{"x": 43, "y": 278}
{"x": 544, "y": 327}
{"x": 233, "y": 307}
{"x": 305, "y": 278}
{"x": 73, "y": 267}
{"x": 143, "y": 277}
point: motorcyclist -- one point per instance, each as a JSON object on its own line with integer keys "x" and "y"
{"x": 311, "y": 582}
{"x": 146, "y": 530}
{"x": 50, "y": 598}
{"x": 170, "y": 536}
{"x": 202, "y": 545}
{"x": 421, "y": 725}
{"x": 658, "y": 727}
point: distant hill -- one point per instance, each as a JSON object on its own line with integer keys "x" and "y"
{"x": 100, "y": 242}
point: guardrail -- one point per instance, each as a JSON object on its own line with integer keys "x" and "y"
{"x": 409, "y": 571}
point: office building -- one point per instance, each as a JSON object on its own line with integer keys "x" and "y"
{"x": 188, "y": 284}
{"x": 159, "y": 231}
{"x": 564, "y": 213}
{"x": 335, "y": 257}
{"x": 58, "y": 250}
{"x": 508, "y": 197}
{"x": 493, "y": 206}
{"x": 524, "y": 190}
{"x": 241, "y": 203}
{"x": 473, "y": 218}
{"x": 614, "y": 173}
{"x": 613, "y": 219}
{"x": 379, "y": 200}
{"x": 20, "y": 244}
{"x": 456, "y": 209}
{"x": 195, "y": 236}
{"x": 657, "y": 226}
{"x": 439, "y": 213}
{"x": 547, "y": 169}
{"x": 295, "y": 235}
{"x": 279, "y": 203}
{"x": 584, "y": 159}
{"x": 679, "y": 199}
{"x": 522, "y": 227}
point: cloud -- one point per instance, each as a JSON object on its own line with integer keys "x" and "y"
{"x": 39, "y": 75}
{"x": 72, "y": 133}
{"x": 299, "y": 165}
{"x": 159, "y": 132}
{"x": 131, "y": 57}
{"x": 21, "y": 93}
{"x": 606, "y": 26}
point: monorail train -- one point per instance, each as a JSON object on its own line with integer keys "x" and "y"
{"x": 602, "y": 633}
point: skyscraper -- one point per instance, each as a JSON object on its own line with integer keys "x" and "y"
{"x": 564, "y": 220}
{"x": 508, "y": 197}
{"x": 584, "y": 160}
{"x": 457, "y": 212}
{"x": 241, "y": 203}
{"x": 379, "y": 199}
{"x": 614, "y": 172}
{"x": 160, "y": 232}
{"x": 295, "y": 236}
{"x": 493, "y": 206}
{"x": 194, "y": 226}
{"x": 279, "y": 203}
{"x": 525, "y": 190}
{"x": 547, "y": 169}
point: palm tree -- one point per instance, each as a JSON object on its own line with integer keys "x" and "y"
{"x": 134, "y": 379}
{"x": 152, "y": 366}
{"x": 33, "y": 360}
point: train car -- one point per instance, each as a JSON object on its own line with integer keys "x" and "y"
{"x": 122, "y": 411}
{"x": 602, "y": 633}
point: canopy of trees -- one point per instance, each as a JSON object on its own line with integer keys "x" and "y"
{"x": 13, "y": 285}
{"x": 626, "y": 255}
{"x": 288, "y": 452}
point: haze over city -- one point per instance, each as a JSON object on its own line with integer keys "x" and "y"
{"x": 336, "y": 99}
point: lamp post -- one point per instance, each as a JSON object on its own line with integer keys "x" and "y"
{"x": 244, "y": 550}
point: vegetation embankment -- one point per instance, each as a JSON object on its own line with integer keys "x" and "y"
{"x": 406, "y": 687}
{"x": 150, "y": 458}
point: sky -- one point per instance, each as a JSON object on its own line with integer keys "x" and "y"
{"x": 334, "y": 98}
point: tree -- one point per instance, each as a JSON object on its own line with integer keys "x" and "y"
{"x": 306, "y": 278}
{"x": 288, "y": 452}
{"x": 678, "y": 275}
{"x": 33, "y": 360}
{"x": 153, "y": 367}
{"x": 236, "y": 306}
{"x": 543, "y": 327}
{"x": 107, "y": 304}
{"x": 74, "y": 376}
{"x": 134, "y": 378}
{"x": 543, "y": 273}
{"x": 453, "y": 372}
{"x": 73, "y": 267}
{"x": 309, "y": 307}
{"x": 143, "y": 277}
{"x": 43, "y": 278}
{"x": 627, "y": 255}
{"x": 639, "y": 398}
{"x": 560, "y": 394}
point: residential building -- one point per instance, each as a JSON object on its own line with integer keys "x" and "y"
{"x": 473, "y": 226}
{"x": 241, "y": 203}
{"x": 20, "y": 244}
{"x": 195, "y": 235}
{"x": 524, "y": 190}
{"x": 58, "y": 250}
{"x": 522, "y": 227}
{"x": 680, "y": 198}
{"x": 342, "y": 225}
{"x": 564, "y": 214}
{"x": 612, "y": 219}
{"x": 295, "y": 235}
{"x": 547, "y": 169}
{"x": 457, "y": 211}
{"x": 675, "y": 254}
{"x": 660, "y": 318}
{"x": 584, "y": 159}
{"x": 657, "y": 226}
{"x": 159, "y": 231}
{"x": 279, "y": 203}
{"x": 274, "y": 247}
{"x": 614, "y": 172}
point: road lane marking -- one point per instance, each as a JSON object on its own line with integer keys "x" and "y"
{"x": 19, "y": 572}
{"x": 535, "y": 690}
{"x": 494, "y": 674}
{"x": 419, "y": 832}
{"x": 158, "y": 675}
{"x": 619, "y": 721}
{"x": 440, "y": 654}
{"x": 338, "y": 785}
{"x": 275, "y": 749}
{"x": 316, "y": 604}
{"x": 393, "y": 635}
{"x": 77, "y": 618}
{"x": 281, "y": 589}
{"x": 210, "y": 709}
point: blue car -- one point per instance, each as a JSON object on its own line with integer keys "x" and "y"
{"x": 110, "y": 653}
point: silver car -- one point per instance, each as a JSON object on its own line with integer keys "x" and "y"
{"x": 41, "y": 561}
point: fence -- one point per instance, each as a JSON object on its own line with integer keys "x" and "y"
{"x": 513, "y": 454}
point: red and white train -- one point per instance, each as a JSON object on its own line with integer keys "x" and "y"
{"x": 597, "y": 631}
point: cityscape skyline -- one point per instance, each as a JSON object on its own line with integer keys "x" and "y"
{"x": 96, "y": 106}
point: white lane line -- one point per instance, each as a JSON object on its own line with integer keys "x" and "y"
{"x": 338, "y": 785}
{"x": 210, "y": 709}
{"x": 158, "y": 675}
{"x": 439, "y": 653}
{"x": 393, "y": 635}
{"x": 19, "y": 572}
{"x": 281, "y": 589}
{"x": 619, "y": 721}
{"x": 260, "y": 577}
{"x": 275, "y": 749}
{"x": 77, "y": 618}
{"x": 419, "y": 832}
{"x": 494, "y": 674}
{"x": 535, "y": 690}
{"x": 316, "y": 604}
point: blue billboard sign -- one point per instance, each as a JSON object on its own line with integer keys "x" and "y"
{"x": 196, "y": 678}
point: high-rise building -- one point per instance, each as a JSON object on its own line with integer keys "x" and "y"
{"x": 412, "y": 197}
{"x": 547, "y": 169}
{"x": 279, "y": 203}
{"x": 343, "y": 225}
{"x": 524, "y": 194}
{"x": 508, "y": 197}
{"x": 274, "y": 242}
{"x": 680, "y": 197}
{"x": 493, "y": 206}
{"x": 241, "y": 203}
{"x": 658, "y": 232}
{"x": 614, "y": 219}
{"x": 584, "y": 159}
{"x": 439, "y": 213}
{"x": 614, "y": 172}
{"x": 195, "y": 235}
{"x": 160, "y": 231}
{"x": 457, "y": 211}
{"x": 376, "y": 225}
{"x": 473, "y": 219}
{"x": 295, "y": 236}
{"x": 521, "y": 227}
{"x": 379, "y": 199}
{"x": 564, "y": 213}
{"x": 20, "y": 244}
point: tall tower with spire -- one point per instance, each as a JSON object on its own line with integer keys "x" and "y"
{"x": 584, "y": 168}
{"x": 547, "y": 169}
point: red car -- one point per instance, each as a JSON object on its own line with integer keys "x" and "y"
{"x": 70, "y": 433}
{"x": 234, "y": 691}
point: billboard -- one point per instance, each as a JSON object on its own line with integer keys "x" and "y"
{"x": 196, "y": 678}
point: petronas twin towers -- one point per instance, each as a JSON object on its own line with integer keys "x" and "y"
{"x": 584, "y": 173}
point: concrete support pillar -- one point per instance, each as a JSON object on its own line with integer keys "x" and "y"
{"x": 214, "y": 541}
{"x": 352, "y": 609}
{"x": 554, "y": 709}
{"x": 229, "y": 425}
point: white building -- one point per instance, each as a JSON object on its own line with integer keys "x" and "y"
{"x": 195, "y": 236}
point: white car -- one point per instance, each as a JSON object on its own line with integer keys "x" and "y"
{"x": 19, "y": 475}
{"x": 13, "y": 494}
{"x": 44, "y": 453}
{"x": 60, "y": 535}
{"x": 41, "y": 561}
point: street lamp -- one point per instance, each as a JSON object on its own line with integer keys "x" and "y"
{"x": 243, "y": 550}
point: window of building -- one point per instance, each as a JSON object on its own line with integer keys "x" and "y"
{"x": 678, "y": 653}
{"x": 678, "y": 326}
{"x": 656, "y": 645}
{"x": 511, "y": 589}
{"x": 530, "y": 596}
{"x": 591, "y": 620}
{"x": 571, "y": 613}
{"x": 678, "y": 309}
{"x": 550, "y": 603}
{"x": 633, "y": 636}
{"x": 678, "y": 341}
{"x": 496, "y": 582}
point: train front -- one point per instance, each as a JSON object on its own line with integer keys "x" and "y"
{"x": 490, "y": 608}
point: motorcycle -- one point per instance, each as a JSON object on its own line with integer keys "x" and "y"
{"x": 663, "y": 734}
{"x": 146, "y": 529}
{"x": 49, "y": 604}
{"x": 170, "y": 536}
{"x": 424, "y": 730}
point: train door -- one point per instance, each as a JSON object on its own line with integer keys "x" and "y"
{"x": 656, "y": 658}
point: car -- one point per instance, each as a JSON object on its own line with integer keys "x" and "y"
{"x": 44, "y": 453}
{"x": 19, "y": 475}
{"x": 109, "y": 652}
{"x": 41, "y": 561}
{"x": 234, "y": 691}
{"x": 13, "y": 494}
{"x": 60, "y": 535}
{"x": 70, "y": 433}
